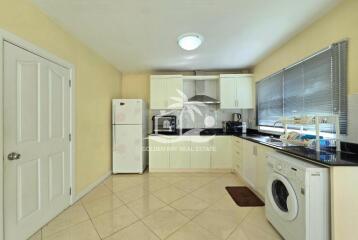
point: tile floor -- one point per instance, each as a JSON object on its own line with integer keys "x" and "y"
{"x": 173, "y": 206}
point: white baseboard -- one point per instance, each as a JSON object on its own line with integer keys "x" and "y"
{"x": 89, "y": 188}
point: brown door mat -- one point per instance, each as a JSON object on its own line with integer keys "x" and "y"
{"x": 244, "y": 197}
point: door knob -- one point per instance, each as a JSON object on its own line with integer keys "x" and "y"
{"x": 13, "y": 156}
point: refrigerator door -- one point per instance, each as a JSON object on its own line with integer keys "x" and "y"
{"x": 127, "y": 111}
{"x": 127, "y": 149}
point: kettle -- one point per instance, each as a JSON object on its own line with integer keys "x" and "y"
{"x": 236, "y": 117}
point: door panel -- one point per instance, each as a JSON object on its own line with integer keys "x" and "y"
{"x": 56, "y": 104}
{"x": 36, "y": 125}
{"x": 28, "y": 179}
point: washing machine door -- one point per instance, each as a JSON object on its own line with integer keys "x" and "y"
{"x": 282, "y": 197}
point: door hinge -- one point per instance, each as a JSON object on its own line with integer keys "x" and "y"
{"x": 70, "y": 83}
{"x": 70, "y": 137}
{"x": 70, "y": 191}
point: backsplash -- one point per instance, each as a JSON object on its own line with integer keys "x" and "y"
{"x": 204, "y": 116}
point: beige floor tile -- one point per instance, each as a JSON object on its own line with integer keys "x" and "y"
{"x": 71, "y": 216}
{"x": 82, "y": 231}
{"x": 252, "y": 232}
{"x": 258, "y": 219}
{"x": 169, "y": 194}
{"x": 97, "y": 193}
{"x": 190, "y": 206}
{"x": 192, "y": 231}
{"x": 111, "y": 222}
{"x": 146, "y": 205}
{"x": 36, "y": 236}
{"x": 137, "y": 231}
{"x": 102, "y": 205}
{"x": 210, "y": 193}
{"x": 171, "y": 179}
{"x": 133, "y": 193}
{"x": 191, "y": 184}
{"x": 120, "y": 183}
{"x": 155, "y": 184}
{"x": 221, "y": 222}
{"x": 229, "y": 180}
{"x": 165, "y": 221}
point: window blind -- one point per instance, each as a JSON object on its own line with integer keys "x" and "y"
{"x": 270, "y": 100}
{"x": 316, "y": 85}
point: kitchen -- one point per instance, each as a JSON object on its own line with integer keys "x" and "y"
{"x": 178, "y": 120}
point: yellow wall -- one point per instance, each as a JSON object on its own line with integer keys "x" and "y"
{"x": 136, "y": 85}
{"x": 340, "y": 23}
{"x": 97, "y": 82}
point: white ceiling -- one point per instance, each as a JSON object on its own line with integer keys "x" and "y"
{"x": 140, "y": 35}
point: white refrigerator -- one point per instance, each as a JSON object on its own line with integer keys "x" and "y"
{"x": 129, "y": 126}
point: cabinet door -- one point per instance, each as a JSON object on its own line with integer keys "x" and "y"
{"x": 245, "y": 92}
{"x": 175, "y": 92}
{"x": 200, "y": 154}
{"x": 221, "y": 157}
{"x": 158, "y": 93}
{"x": 228, "y": 92}
{"x": 237, "y": 154}
{"x": 180, "y": 154}
{"x": 249, "y": 162}
{"x": 261, "y": 177}
{"x": 158, "y": 154}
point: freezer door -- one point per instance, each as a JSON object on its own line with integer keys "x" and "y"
{"x": 127, "y": 149}
{"x": 127, "y": 111}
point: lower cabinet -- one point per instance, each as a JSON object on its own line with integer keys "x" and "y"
{"x": 221, "y": 157}
{"x": 200, "y": 154}
{"x": 261, "y": 166}
{"x": 249, "y": 162}
{"x": 179, "y": 153}
{"x": 158, "y": 153}
{"x": 190, "y": 152}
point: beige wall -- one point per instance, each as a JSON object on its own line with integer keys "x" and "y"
{"x": 135, "y": 85}
{"x": 340, "y": 23}
{"x": 97, "y": 82}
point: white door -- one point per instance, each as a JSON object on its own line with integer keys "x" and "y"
{"x": 36, "y": 141}
{"x": 127, "y": 149}
{"x": 127, "y": 111}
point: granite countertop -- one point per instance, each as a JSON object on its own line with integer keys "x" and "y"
{"x": 326, "y": 157}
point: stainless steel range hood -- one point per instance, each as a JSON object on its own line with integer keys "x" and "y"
{"x": 202, "y": 99}
{"x": 205, "y": 93}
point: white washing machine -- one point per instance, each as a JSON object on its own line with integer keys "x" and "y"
{"x": 297, "y": 198}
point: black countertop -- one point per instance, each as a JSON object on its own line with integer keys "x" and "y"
{"x": 326, "y": 157}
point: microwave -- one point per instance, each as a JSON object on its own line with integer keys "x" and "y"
{"x": 233, "y": 127}
{"x": 164, "y": 124}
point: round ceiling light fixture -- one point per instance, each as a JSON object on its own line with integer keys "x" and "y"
{"x": 190, "y": 41}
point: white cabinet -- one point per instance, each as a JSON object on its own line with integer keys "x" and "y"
{"x": 261, "y": 166}
{"x": 200, "y": 154}
{"x": 166, "y": 92}
{"x": 192, "y": 153}
{"x": 158, "y": 153}
{"x": 236, "y": 91}
{"x": 237, "y": 155}
{"x": 180, "y": 153}
{"x": 249, "y": 163}
{"x": 221, "y": 157}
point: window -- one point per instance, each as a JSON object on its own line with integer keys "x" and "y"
{"x": 316, "y": 85}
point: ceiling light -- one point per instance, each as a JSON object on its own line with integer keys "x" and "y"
{"x": 190, "y": 41}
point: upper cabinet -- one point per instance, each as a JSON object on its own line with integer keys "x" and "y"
{"x": 166, "y": 92}
{"x": 236, "y": 91}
